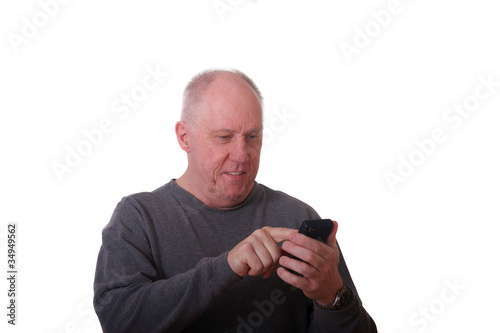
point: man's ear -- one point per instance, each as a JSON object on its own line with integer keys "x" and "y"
{"x": 182, "y": 132}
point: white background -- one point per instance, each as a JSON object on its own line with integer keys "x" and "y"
{"x": 354, "y": 117}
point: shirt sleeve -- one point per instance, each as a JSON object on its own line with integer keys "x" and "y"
{"x": 129, "y": 294}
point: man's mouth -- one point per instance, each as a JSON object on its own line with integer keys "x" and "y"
{"x": 236, "y": 173}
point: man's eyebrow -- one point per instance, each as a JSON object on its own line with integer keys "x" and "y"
{"x": 221, "y": 131}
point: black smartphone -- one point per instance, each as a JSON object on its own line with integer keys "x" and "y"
{"x": 316, "y": 229}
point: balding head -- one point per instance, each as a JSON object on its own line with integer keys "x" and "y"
{"x": 198, "y": 86}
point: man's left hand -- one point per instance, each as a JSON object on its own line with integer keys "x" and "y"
{"x": 321, "y": 279}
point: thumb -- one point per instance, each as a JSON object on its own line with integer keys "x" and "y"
{"x": 332, "y": 239}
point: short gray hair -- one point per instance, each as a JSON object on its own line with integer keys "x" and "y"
{"x": 199, "y": 84}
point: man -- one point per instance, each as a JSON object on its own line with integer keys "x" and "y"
{"x": 200, "y": 254}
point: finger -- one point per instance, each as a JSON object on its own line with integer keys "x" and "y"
{"x": 267, "y": 252}
{"x": 291, "y": 279}
{"x": 276, "y": 235}
{"x": 263, "y": 260}
{"x": 245, "y": 261}
{"x": 332, "y": 239}
{"x": 303, "y": 268}
{"x": 283, "y": 253}
{"x": 261, "y": 253}
{"x": 305, "y": 248}
{"x": 270, "y": 271}
{"x": 268, "y": 238}
{"x": 280, "y": 234}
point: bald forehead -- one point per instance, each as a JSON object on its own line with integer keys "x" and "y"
{"x": 213, "y": 88}
{"x": 227, "y": 95}
{"x": 225, "y": 83}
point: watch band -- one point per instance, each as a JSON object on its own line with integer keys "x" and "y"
{"x": 341, "y": 299}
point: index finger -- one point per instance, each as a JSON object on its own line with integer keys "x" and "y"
{"x": 280, "y": 234}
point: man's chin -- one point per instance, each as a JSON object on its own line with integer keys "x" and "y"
{"x": 236, "y": 195}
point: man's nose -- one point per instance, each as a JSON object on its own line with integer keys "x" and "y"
{"x": 239, "y": 152}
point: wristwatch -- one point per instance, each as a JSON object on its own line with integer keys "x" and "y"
{"x": 341, "y": 299}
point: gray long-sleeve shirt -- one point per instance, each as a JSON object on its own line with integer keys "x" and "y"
{"x": 163, "y": 267}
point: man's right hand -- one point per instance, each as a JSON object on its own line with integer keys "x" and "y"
{"x": 258, "y": 254}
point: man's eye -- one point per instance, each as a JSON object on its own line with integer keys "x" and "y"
{"x": 224, "y": 137}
